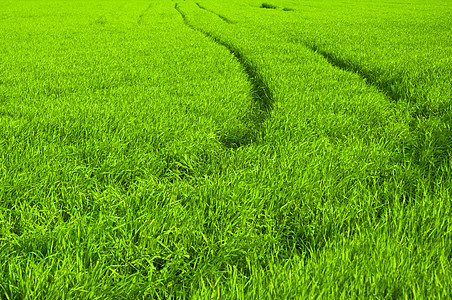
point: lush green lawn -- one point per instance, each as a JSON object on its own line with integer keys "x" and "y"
{"x": 225, "y": 149}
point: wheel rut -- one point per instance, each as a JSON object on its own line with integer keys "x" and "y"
{"x": 140, "y": 18}
{"x": 394, "y": 88}
{"x": 229, "y": 21}
{"x": 427, "y": 143}
{"x": 385, "y": 87}
{"x": 261, "y": 94}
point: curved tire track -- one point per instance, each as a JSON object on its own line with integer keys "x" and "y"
{"x": 262, "y": 95}
{"x": 140, "y": 18}
{"x": 220, "y": 16}
{"x": 384, "y": 87}
{"x": 427, "y": 144}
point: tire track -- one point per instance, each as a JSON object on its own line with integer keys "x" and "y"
{"x": 427, "y": 144}
{"x": 261, "y": 93}
{"x": 220, "y": 16}
{"x": 385, "y": 87}
{"x": 394, "y": 88}
{"x": 140, "y": 18}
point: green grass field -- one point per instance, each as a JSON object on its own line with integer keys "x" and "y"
{"x": 233, "y": 149}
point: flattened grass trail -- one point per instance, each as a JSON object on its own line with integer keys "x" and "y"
{"x": 234, "y": 149}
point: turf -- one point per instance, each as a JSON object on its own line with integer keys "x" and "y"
{"x": 215, "y": 149}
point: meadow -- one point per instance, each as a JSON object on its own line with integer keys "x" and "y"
{"x": 234, "y": 149}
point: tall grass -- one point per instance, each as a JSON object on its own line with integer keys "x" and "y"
{"x": 138, "y": 158}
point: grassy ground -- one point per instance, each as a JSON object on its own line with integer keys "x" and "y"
{"x": 234, "y": 149}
